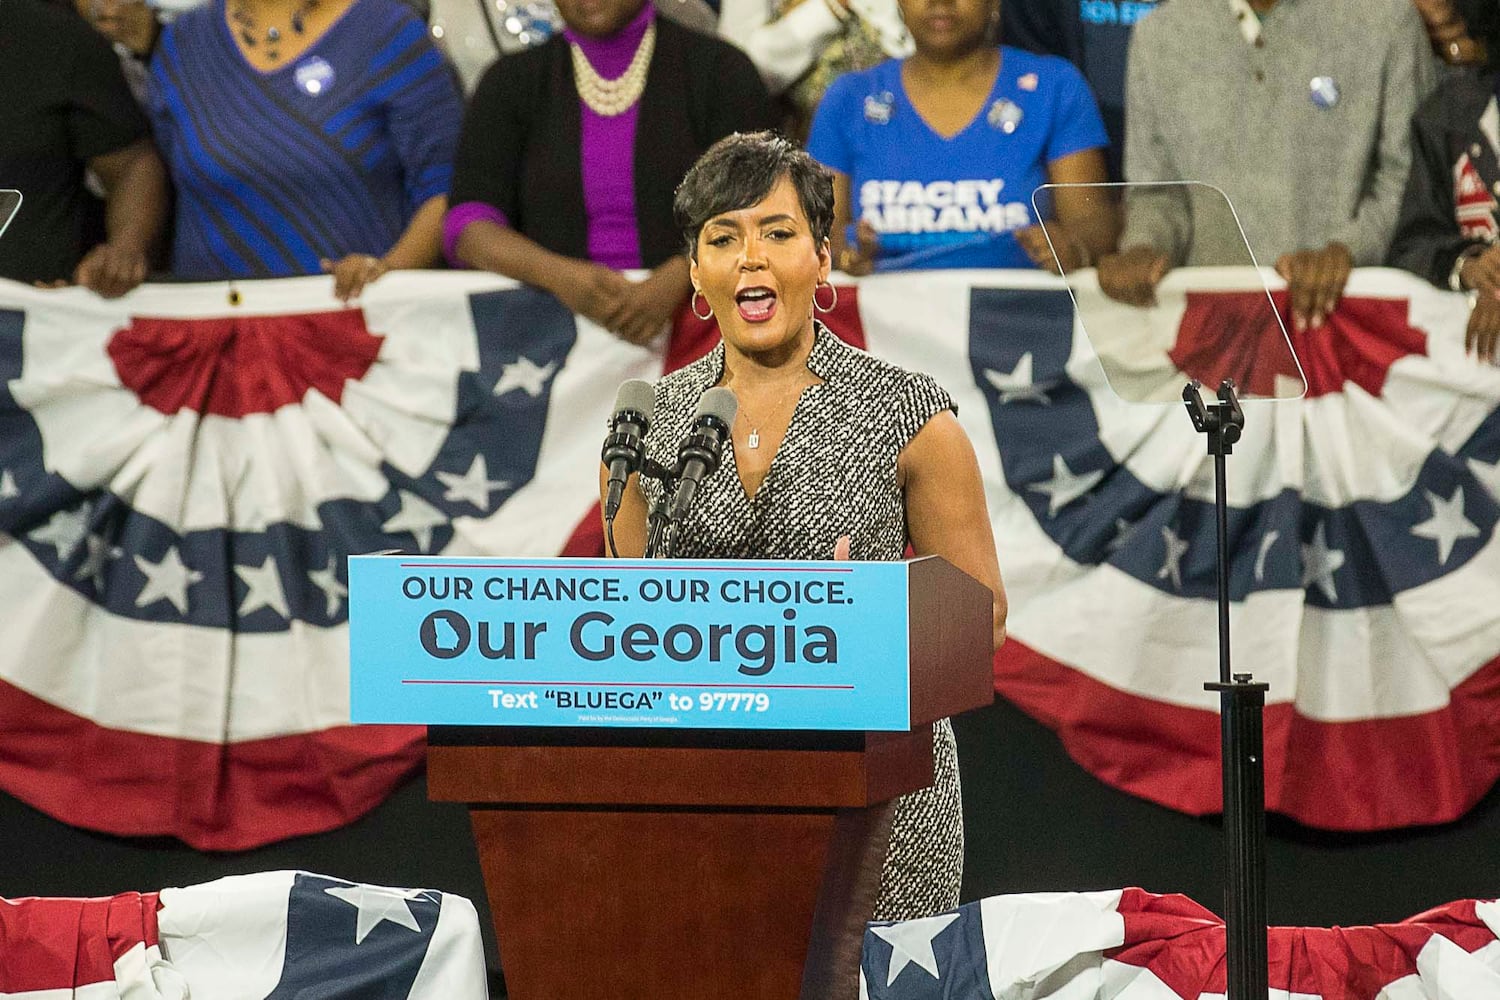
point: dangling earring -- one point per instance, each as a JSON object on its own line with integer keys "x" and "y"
{"x": 693, "y": 305}
{"x": 832, "y": 305}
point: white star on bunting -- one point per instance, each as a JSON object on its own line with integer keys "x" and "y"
{"x": 265, "y": 590}
{"x": 1486, "y": 473}
{"x": 1017, "y": 384}
{"x": 1123, "y": 530}
{"x": 167, "y": 580}
{"x": 474, "y": 486}
{"x": 376, "y": 904}
{"x": 911, "y": 942}
{"x": 525, "y": 374}
{"x": 327, "y": 580}
{"x": 416, "y": 516}
{"x": 1319, "y": 563}
{"x": 1447, "y": 523}
{"x": 95, "y": 561}
{"x": 1171, "y": 566}
{"x": 64, "y": 531}
{"x": 1065, "y": 486}
{"x": 1266, "y": 541}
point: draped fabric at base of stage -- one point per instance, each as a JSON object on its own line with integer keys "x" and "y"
{"x": 1134, "y": 945}
{"x": 1365, "y": 572}
{"x": 181, "y": 481}
{"x": 272, "y": 935}
{"x": 182, "y": 478}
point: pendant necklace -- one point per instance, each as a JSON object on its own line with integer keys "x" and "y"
{"x": 248, "y": 27}
{"x": 752, "y": 441}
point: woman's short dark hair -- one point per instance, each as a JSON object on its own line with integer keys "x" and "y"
{"x": 741, "y": 169}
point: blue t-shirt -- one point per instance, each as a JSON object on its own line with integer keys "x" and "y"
{"x": 954, "y": 203}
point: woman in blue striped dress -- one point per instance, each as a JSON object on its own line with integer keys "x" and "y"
{"x": 304, "y": 136}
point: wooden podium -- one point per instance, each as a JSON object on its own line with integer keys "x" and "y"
{"x": 654, "y": 864}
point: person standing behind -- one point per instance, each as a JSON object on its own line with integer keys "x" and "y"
{"x": 937, "y": 155}
{"x": 1093, "y": 35}
{"x": 304, "y": 135}
{"x": 132, "y": 27}
{"x": 67, "y": 110}
{"x": 474, "y": 33}
{"x": 571, "y": 150}
{"x": 802, "y": 46}
{"x": 1308, "y": 139}
{"x": 1449, "y": 231}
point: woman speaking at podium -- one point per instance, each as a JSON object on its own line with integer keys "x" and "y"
{"x": 833, "y": 453}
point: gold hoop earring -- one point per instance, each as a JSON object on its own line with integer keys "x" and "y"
{"x": 693, "y": 305}
{"x": 832, "y": 305}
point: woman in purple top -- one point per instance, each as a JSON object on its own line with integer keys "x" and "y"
{"x": 571, "y": 151}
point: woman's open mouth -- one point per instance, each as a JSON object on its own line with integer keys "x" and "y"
{"x": 756, "y": 305}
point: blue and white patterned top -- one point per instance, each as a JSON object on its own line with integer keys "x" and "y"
{"x": 328, "y": 155}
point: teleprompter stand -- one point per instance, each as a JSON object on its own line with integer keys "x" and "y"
{"x": 667, "y": 864}
{"x": 1241, "y": 705}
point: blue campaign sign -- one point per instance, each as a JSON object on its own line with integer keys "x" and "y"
{"x": 570, "y": 642}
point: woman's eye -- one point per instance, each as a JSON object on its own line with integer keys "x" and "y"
{"x": 782, "y": 234}
{"x": 718, "y": 241}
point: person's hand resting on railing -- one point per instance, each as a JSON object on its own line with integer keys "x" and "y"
{"x": 1479, "y": 274}
{"x": 1484, "y": 328}
{"x": 1131, "y": 276}
{"x": 1315, "y": 280}
{"x": 1064, "y": 248}
{"x": 113, "y": 268}
{"x": 859, "y": 259}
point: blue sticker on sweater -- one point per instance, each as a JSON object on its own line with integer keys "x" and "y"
{"x": 1324, "y": 92}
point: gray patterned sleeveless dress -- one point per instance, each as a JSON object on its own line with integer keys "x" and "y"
{"x": 834, "y": 474}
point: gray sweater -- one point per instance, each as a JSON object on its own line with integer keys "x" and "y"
{"x": 1204, "y": 104}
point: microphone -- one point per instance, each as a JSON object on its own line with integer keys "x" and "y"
{"x": 623, "y": 451}
{"x": 702, "y": 449}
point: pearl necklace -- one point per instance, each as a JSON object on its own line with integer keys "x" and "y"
{"x": 611, "y": 98}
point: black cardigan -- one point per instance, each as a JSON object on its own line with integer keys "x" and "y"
{"x": 520, "y": 147}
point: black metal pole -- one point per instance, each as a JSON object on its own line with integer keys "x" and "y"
{"x": 1241, "y": 712}
{"x": 1221, "y": 515}
{"x": 1240, "y": 709}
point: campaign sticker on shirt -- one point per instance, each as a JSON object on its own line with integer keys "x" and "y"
{"x": 878, "y": 107}
{"x": 314, "y": 76}
{"x": 1324, "y": 92}
{"x": 1005, "y": 116}
{"x": 1028, "y": 82}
